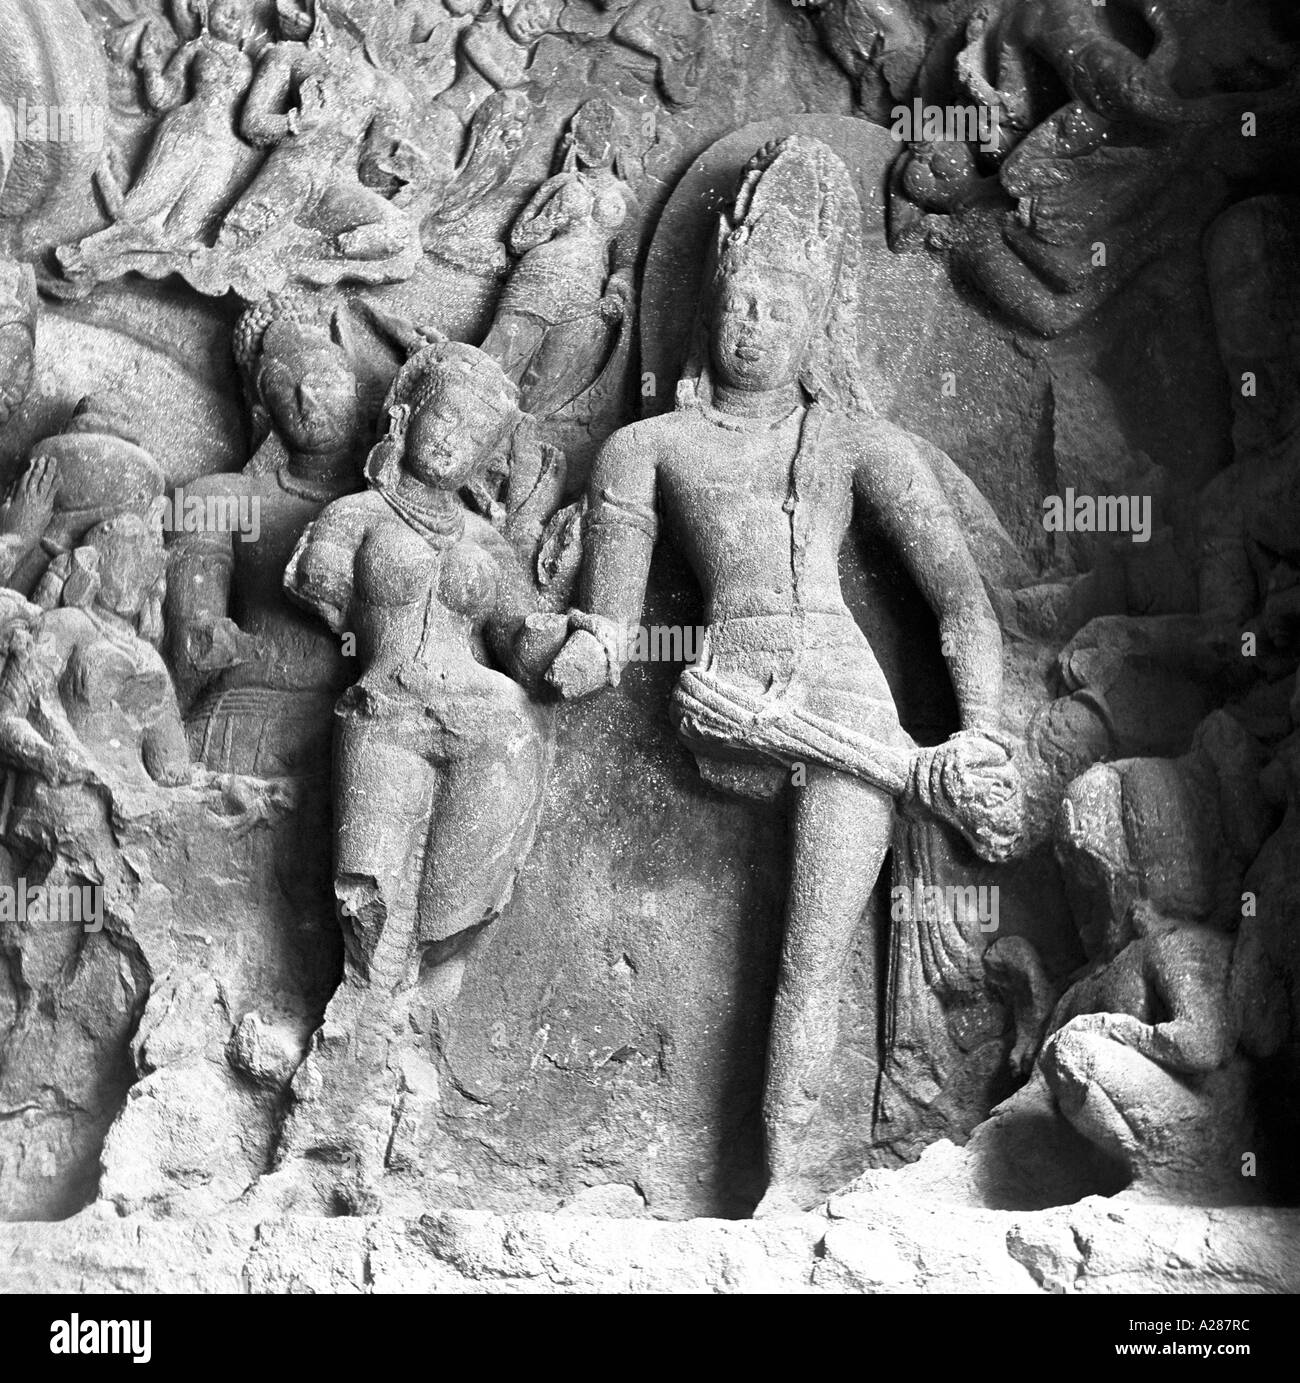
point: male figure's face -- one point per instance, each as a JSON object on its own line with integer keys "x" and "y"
{"x": 762, "y": 323}
{"x": 312, "y": 401}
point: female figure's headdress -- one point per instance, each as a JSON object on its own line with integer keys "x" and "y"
{"x": 429, "y": 370}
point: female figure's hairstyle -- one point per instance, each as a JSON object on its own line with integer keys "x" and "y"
{"x": 432, "y": 369}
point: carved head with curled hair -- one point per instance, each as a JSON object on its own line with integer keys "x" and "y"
{"x": 782, "y": 297}
{"x": 451, "y": 416}
{"x": 18, "y": 306}
{"x": 299, "y": 374}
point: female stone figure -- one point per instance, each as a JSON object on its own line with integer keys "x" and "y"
{"x": 758, "y": 470}
{"x": 552, "y": 327}
{"x": 265, "y": 674}
{"x": 440, "y": 757}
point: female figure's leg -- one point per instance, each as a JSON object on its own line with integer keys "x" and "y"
{"x": 343, "y": 1093}
{"x": 479, "y": 836}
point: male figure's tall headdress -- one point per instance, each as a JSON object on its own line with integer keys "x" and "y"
{"x": 796, "y": 212}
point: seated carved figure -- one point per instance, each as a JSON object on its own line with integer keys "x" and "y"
{"x": 91, "y": 471}
{"x": 195, "y": 163}
{"x": 308, "y": 216}
{"x": 759, "y": 469}
{"x": 86, "y": 702}
{"x": 1148, "y": 1053}
{"x": 440, "y": 756}
{"x": 263, "y": 674}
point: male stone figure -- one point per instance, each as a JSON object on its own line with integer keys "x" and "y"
{"x": 758, "y": 469}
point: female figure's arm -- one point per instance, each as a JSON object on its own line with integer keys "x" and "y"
{"x": 543, "y": 218}
{"x": 165, "y": 82}
{"x": 264, "y": 122}
{"x": 517, "y": 597}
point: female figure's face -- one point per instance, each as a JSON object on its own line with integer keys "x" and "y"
{"x": 312, "y": 401}
{"x": 762, "y": 324}
{"x": 452, "y": 437}
{"x": 16, "y": 367}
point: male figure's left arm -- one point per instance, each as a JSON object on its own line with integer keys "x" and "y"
{"x": 893, "y": 479}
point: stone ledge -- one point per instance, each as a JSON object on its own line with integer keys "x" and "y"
{"x": 858, "y": 1243}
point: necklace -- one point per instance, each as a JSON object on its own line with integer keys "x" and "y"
{"x": 738, "y": 422}
{"x": 440, "y": 528}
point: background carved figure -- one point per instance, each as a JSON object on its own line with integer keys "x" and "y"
{"x": 572, "y": 285}
{"x": 197, "y": 163}
{"x": 261, "y": 675}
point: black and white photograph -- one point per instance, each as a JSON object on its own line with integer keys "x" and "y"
{"x": 649, "y": 648}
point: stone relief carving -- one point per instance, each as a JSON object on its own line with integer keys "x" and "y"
{"x": 943, "y": 842}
